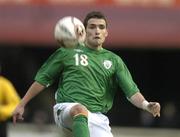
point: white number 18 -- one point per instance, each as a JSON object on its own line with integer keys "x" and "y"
{"x": 81, "y": 59}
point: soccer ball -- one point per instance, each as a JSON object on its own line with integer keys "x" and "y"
{"x": 69, "y": 31}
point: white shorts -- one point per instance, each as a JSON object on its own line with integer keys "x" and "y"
{"x": 97, "y": 122}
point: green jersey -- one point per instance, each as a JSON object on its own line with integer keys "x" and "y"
{"x": 87, "y": 76}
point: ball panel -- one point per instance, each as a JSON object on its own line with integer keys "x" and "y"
{"x": 70, "y": 31}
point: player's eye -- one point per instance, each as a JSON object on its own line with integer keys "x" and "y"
{"x": 102, "y": 26}
{"x": 92, "y": 26}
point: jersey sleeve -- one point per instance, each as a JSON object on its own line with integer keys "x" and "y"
{"x": 51, "y": 69}
{"x": 124, "y": 78}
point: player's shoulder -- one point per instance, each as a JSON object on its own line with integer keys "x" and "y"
{"x": 115, "y": 57}
{"x": 111, "y": 53}
{"x": 61, "y": 51}
{"x": 65, "y": 49}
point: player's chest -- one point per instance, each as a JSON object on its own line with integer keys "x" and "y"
{"x": 98, "y": 63}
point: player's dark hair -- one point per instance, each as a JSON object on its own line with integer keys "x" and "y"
{"x": 94, "y": 14}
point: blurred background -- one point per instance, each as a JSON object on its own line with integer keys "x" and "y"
{"x": 145, "y": 33}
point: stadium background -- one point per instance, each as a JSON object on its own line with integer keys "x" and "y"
{"x": 145, "y": 33}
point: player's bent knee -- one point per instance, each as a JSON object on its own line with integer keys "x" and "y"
{"x": 78, "y": 110}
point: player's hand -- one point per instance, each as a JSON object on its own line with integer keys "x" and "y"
{"x": 18, "y": 113}
{"x": 154, "y": 108}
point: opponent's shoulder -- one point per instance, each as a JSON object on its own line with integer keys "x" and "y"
{"x": 4, "y": 81}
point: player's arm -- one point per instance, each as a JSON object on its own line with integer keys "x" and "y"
{"x": 131, "y": 90}
{"x": 139, "y": 101}
{"x": 34, "y": 89}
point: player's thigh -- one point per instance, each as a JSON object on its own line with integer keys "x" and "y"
{"x": 99, "y": 125}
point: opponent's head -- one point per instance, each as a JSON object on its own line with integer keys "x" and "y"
{"x": 95, "y": 24}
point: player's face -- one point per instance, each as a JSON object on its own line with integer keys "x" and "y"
{"x": 96, "y": 32}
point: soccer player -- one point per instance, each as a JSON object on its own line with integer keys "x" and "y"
{"x": 88, "y": 76}
{"x": 8, "y": 101}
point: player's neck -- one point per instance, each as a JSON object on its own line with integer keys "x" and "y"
{"x": 97, "y": 47}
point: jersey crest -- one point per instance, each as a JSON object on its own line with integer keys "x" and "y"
{"x": 107, "y": 64}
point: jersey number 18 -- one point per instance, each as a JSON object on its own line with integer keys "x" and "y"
{"x": 81, "y": 59}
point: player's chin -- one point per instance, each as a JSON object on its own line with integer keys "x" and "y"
{"x": 97, "y": 42}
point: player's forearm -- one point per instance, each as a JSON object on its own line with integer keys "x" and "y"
{"x": 34, "y": 89}
{"x": 139, "y": 101}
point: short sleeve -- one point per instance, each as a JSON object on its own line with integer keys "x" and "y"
{"x": 124, "y": 78}
{"x": 51, "y": 69}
